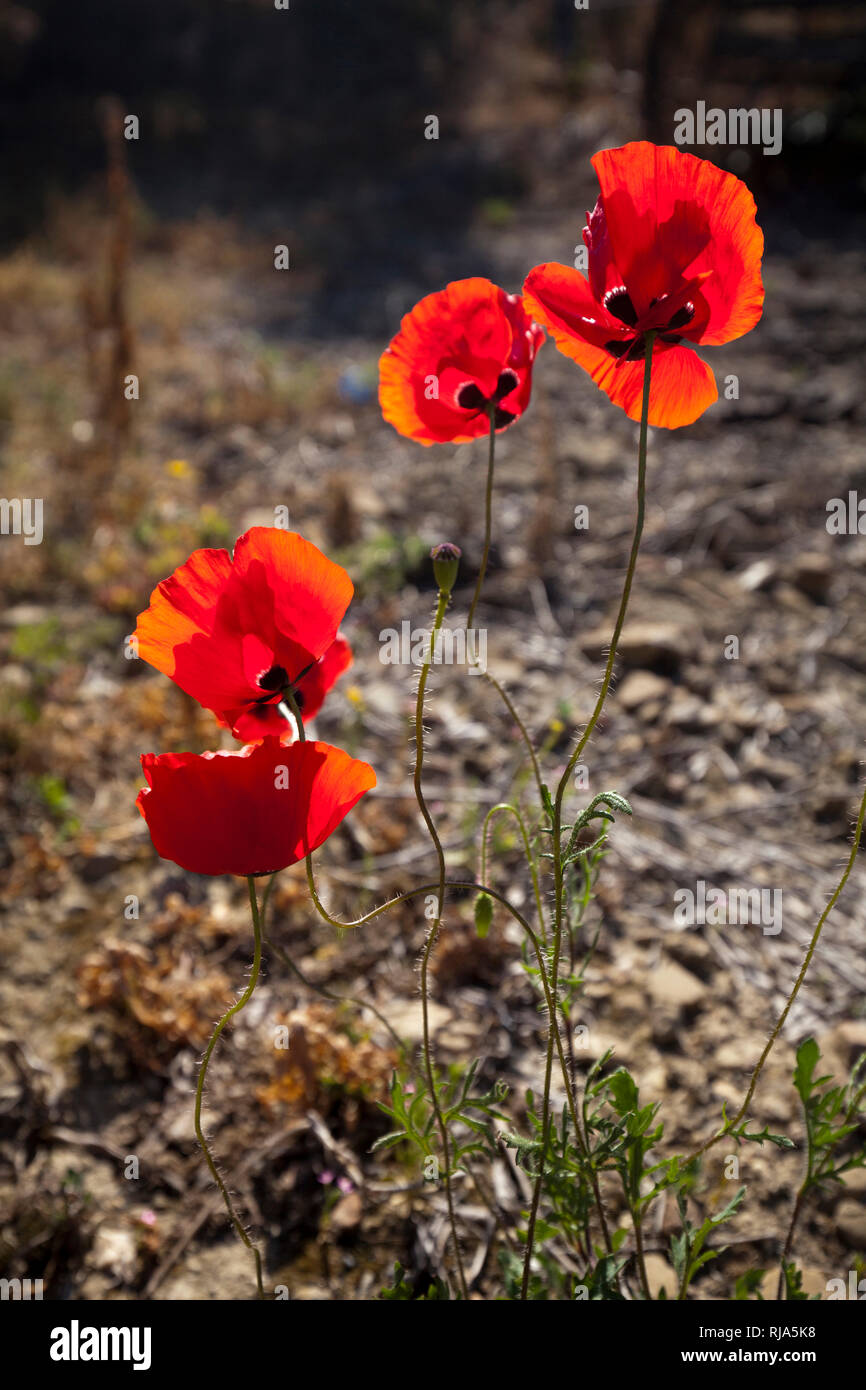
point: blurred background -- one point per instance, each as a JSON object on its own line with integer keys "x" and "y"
{"x": 154, "y": 258}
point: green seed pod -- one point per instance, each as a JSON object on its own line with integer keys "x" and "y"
{"x": 483, "y": 914}
{"x": 446, "y": 562}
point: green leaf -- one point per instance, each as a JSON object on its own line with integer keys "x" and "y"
{"x": 623, "y": 1091}
{"x": 793, "y": 1276}
{"x": 618, "y": 803}
{"x": 727, "y": 1212}
{"x": 780, "y": 1140}
{"x": 748, "y": 1284}
{"x": 389, "y": 1140}
{"x": 401, "y": 1291}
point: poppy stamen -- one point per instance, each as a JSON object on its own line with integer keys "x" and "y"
{"x": 618, "y": 302}
{"x": 682, "y": 316}
{"x": 470, "y": 397}
{"x": 637, "y": 349}
{"x": 277, "y": 678}
{"x": 505, "y": 385}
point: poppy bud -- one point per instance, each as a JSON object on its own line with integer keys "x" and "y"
{"x": 446, "y": 562}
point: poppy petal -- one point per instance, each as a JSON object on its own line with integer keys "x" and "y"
{"x": 671, "y": 216}
{"x": 252, "y": 811}
{"x": 604, "y": 274}
{"x": 283, "y": 584}
{"x": 182, "y": 607}
{"x": 325, "y": 674}
{"x": 560, "y": 298}
{"x": 218, "y": 625}
{"x": 682, "y": 387}
{"x": 255, "y": 722}
{"x": 445, "y": 365}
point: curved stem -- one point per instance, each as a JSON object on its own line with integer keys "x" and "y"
{"x": 470, "y": 886}
{"x": 780, "y": 1021}
{"x": 521, "y": 727}
{"x": 629, "y": 576}
{"x": 433, "y": 933}
{"x": 292, "y": 705}
{"x": 467, "y": 886}
{"x": 798, "y": 1204}
{"x": 558, "y": 875}
{"x": 266, "y": 897}
{"x": 329, "y": 994}
{"x": 527, "y": 848}
{"x": 488, "y": 521}
{"x": 199, "y": 1090}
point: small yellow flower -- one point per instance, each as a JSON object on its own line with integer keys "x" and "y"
{"x": 178, "y": 468}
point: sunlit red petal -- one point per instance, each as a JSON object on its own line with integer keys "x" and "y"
{"x": 682, "y": 387}
{"x": 604, "y": 273}
{"x": 258, "y": 721}
{"x": 217, "y": 625}
{"x": 325, "y": 674}
{"x": 232, "y": 813}
{"x": 283, "y": 584}
{"x": 182, "y": 607}
{"x": 671, "y": 216}
{"x": 464, "y": 335}
{"x": 560, "y": 298}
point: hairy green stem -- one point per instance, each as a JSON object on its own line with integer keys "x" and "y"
{"x": 629, "y": 578}
{"x": 333, "y": 997}
{"x": 473, "y": 887}
{"x": 488, "y": 521}
{"x": 558, "y": 873}
{"x": 433, "y": 933}
{"x": 527, "y": 849}
{"x": 637, "y": 1221}
{"x": 522, "y": 730}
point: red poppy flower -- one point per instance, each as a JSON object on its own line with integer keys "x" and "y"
{"x": 249, "y": 811}
{"x": 673, "y": 247}
{"x": 236, "y": 632}
{"x": 460, "y": 353}
{"x": 260, "y": 720}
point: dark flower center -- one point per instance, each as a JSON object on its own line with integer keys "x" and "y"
{"x": 277, "y": 678}
{"x": 471, "y": 397}
{"x": 682, "y": 316}
{"x": 276, "y": 681}
{"x": 618, "y": 302}
{"x": 505, "y": 385}
{"x": 629, "y": 350}
{"x": 633, "y": 349}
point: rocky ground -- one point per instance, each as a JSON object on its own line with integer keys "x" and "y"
{"x": 743, "y": 771}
